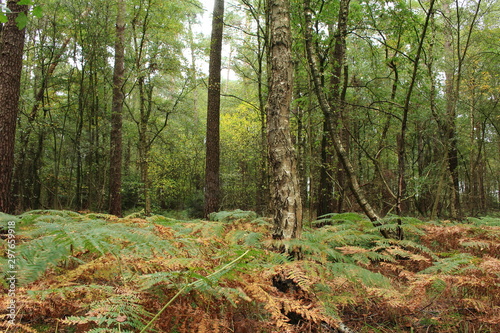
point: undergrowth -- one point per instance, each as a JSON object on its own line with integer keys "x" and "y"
{"x": 98, "y": 273}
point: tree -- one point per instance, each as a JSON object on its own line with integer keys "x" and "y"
{"x": 115, "y": 172}
{"x": 334, "y": 135}
{"x": 212, "y": 177}
{"x": 337, "y": 102}
{"x": 285, "y": 193}
{"x": 11, "y": 63}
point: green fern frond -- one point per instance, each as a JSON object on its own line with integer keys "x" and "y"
{"x": 314, "y": 247}
{"x": 148, "y": 281}
{"x": 484, "y": 221}
{"x": 227, "y": 216}
{"x": 206, "y": 229}
{"x": 116, "y": 312}
{"x": 341, "y": 218}
{"x": 100, "y": 216}
{"x": 455, "y": 264}
{"x": 476, "y": 244}
{"x": 160, "y": 219}
{"x": 56, "y": 242}
{"x": 248, "y": 238}
{"x": 52, "y": 212}
{"x": 233, "y": 295}
{"x": 344, "y": 236}
{"x": 5, "y": 218}
{"x": 355, "y": 273}
{"x": 409, "y": 245}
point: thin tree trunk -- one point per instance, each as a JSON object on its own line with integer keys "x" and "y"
{"x": 145, "y": 111}
{"x": 401, "y": 193}
{"x": 453, "y": 82}
{"x": 285, "y": 193}
{"x": 212, "y": 181}
{"x": 11, "y": 63}
{"x": 262, "y": 201}
{"x": 325, "y": 190}
{"x": 338, "y": 94}
{"x": 335, "y": 138}
{"x": 328, "y": 202}
{"x": 115, "y": 169}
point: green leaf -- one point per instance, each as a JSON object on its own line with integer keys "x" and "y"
{"x": 25, "y": 2}
{"x": 21, "y": 20}
{"x": 3, "y": 18}
{"x": 38, "y": 11}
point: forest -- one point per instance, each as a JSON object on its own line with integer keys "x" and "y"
{"x": 251, "y": 166}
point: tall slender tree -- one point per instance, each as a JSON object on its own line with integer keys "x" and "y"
{"x": 285, "y": 193}
{"x": 328, "y": 113}
{"x": 11, "y": 63}
{"x": 115, "y": 170}
{"x": 212, "y": 167}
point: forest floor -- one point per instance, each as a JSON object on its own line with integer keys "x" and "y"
{"x": 99, "y": 273}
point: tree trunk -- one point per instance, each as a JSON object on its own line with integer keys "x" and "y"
{"x": 401, "y": 141}
{"x": 329, "y": 201}
{"x": 144, "y": 146}
{"x": 325, "y": 190}
{"x": 338, "y": 94}
{"x": 115, "y": 168}
{"x": 11, "y": 63}
{"x": 212, "y": 181}
{"x": 453, "y": 77}
{"x": 335, "y": 138}
{"x": 285, "y": 193}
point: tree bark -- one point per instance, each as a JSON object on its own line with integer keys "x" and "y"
{"x": 338, "y": 94}
{"x": 212, "y": 166}
{"x": 285, "y": 193}
{"x": 115, "y": 168}
{"x": 11, "y": 63}
{"x": 335, "y": 137}
{"x": 401, "y": 141}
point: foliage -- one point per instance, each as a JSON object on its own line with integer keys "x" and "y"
{"x": 99, "y": 273}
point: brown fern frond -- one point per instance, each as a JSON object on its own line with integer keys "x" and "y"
{"x": 272, "y": 305}
{"x": 164, "y": 232}
{"x": 352, "y": 249}
{"x": 490, "y": 265}
{"x": 16, "y": 327}
{"x": 295, "y": 276}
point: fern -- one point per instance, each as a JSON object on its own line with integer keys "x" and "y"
{"x": 111, "y": 273}
{"x": 61, "y": 241}
{"x": 355, "y": 273}
{"x": 199, "y": 284}
{"x": 237, "y": 214}
{"x": 476, "y": 244}
{"x": 484, "y": 221}
{"x": 244, "y": 237}
{"x": 336, "y": 218}
{"x": 455, "y": 264}
{"x": 5, "y": 218}
{"x": 120, "y": 311}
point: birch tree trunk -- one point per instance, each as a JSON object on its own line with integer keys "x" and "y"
{"x": 285, "y": 193}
